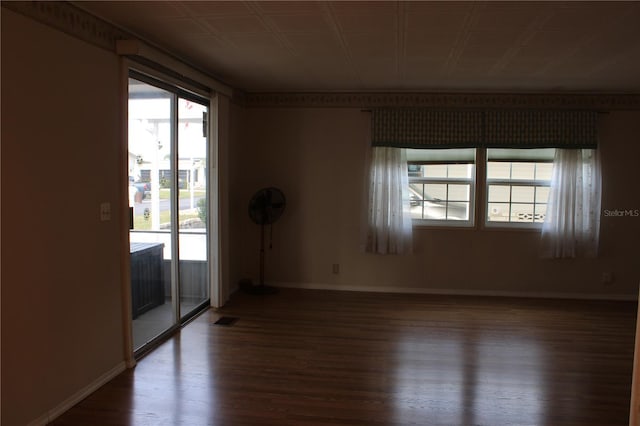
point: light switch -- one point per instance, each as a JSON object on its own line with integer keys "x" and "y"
{"x": 105, "y": 211}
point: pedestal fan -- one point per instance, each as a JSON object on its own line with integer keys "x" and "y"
{"x": 265, "y": 207}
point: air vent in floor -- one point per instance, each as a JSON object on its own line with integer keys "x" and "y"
{"x": 228, "y": 321}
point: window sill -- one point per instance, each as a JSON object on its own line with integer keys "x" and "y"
{"x": 519, "y": 227}
{"x": 422, "y": 224}
{"x": 500, "y": 227}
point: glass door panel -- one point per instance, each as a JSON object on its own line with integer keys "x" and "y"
{"x": 192, "y": 211}
{"x": 168, "y": 193}
{"x": 151, "y": 196}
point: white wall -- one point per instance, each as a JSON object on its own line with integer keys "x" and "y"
{"x": 61, "y": 286}
{"x": 316, "y": 156}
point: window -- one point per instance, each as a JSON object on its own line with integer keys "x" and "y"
{"x": 442, "y": 186}
{"x": 514, "y": 174}
{"x": 518, "y": 183}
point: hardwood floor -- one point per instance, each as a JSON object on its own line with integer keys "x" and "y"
{"x": 305, "y": 357}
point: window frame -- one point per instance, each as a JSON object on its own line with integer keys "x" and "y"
{"x": 535, "y": 183}
{"x": 472, "y": 181}
{"x": 479, "y": 185}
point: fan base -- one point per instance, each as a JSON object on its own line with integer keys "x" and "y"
{"x": 261, "y": 289}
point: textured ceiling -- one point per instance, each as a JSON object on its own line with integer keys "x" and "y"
{"x": 396, "y": 46}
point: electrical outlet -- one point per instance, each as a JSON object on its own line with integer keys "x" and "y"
{"x": 336, "y": 268}
{"x": 607, "y": 278}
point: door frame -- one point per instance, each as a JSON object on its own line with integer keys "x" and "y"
{"x": 213, "y": 243}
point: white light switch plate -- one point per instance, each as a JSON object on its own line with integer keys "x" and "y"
{"x": 105, "y": 211}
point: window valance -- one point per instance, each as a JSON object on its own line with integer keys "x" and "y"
{"x": 428, "y": 128}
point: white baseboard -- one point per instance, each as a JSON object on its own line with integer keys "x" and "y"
{"x": 68, "y": 403}
{"x": 458, "y": 292}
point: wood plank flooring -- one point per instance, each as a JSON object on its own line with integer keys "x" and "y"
{"x": 307, "y": 357}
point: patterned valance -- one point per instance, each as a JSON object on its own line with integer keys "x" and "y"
{"x": 428, "y": 128}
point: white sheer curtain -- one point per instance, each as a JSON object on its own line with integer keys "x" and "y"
{"x": 572, "y": 224}
{"x": 388, "y": 214}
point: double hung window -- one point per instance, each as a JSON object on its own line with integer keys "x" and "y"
{"x": 518, "y": 183}
{"x": 494, "y": 164}
{"x": 442, "y": 186}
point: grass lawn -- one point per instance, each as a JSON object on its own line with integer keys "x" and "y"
{"x": 184, "y": 193}
{"x": 142, "y": 224}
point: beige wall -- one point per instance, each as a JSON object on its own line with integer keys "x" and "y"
{"x": 61, "y": 291}
{"x": 316, "y": 156}
{"x": 234, "y": 208}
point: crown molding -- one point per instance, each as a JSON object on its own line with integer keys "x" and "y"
{"x": 71, "y": 20}
{"x": 76, "y": 22}
{"x": 601, "y": 102}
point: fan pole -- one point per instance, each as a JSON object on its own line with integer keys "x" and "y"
{"x": 265, "y": 207}
{"x": 262, "y": 255}
{"x": 261, "y": 288}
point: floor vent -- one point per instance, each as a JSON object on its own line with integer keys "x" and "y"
{"x": 228, "y": 321}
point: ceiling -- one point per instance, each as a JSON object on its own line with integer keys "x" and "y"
{"x": 480, "y": 46}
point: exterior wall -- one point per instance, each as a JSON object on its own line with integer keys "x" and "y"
{"x": 316, "y": 156}
{"x": 61, "y": 278}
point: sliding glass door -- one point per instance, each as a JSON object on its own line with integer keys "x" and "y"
{"x": 167, "y": 167}
{"x": 192, "y": 205}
